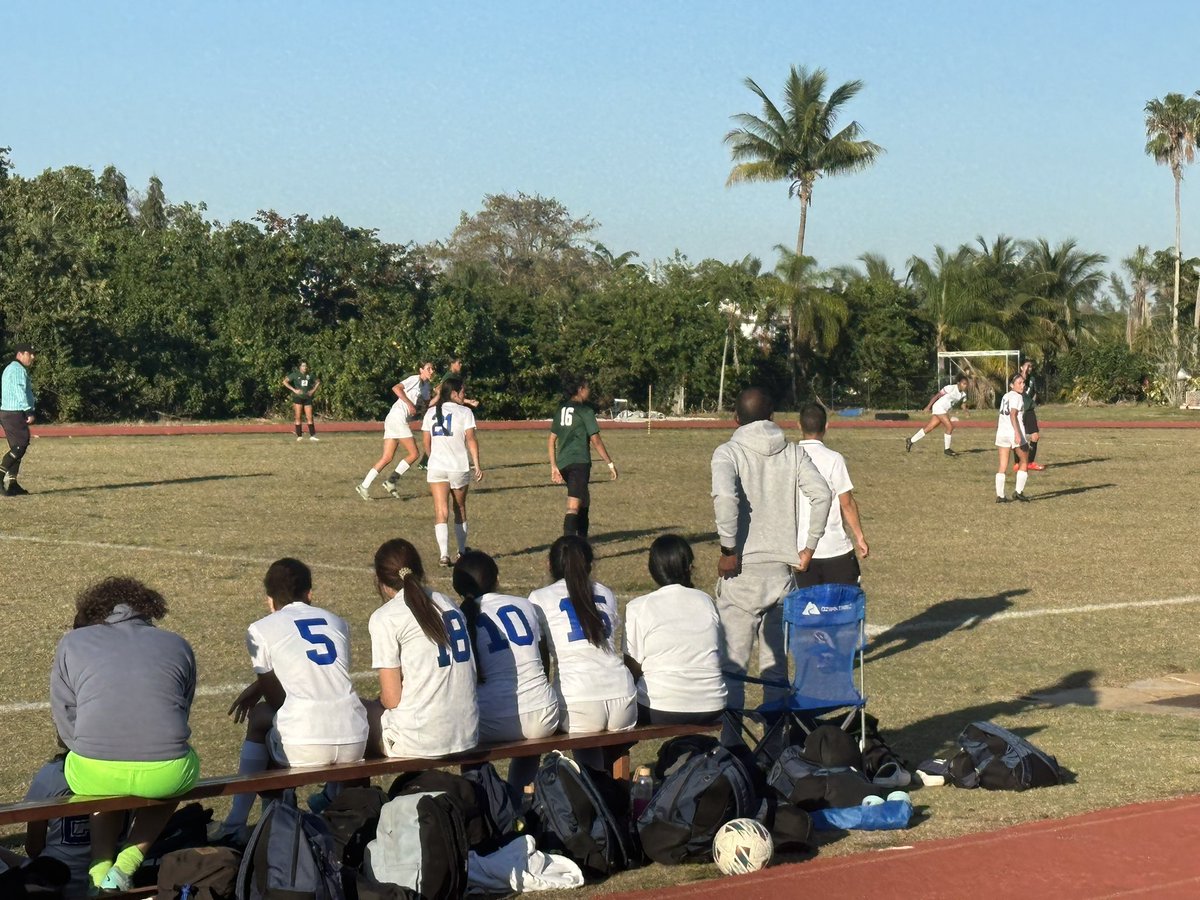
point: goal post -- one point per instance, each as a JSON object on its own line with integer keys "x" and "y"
{"x": 952, "y": 362}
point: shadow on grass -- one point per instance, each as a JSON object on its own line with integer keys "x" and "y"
{"x": 513, "y": 487}
{"x": 1077, "y": 462}
{"x": 195, "y": 479}
{"x": 939, "y": 620}
{"x": 597, "y": 539}
{"x": 1067, "y": 492}
{"x": 698, "y": 538}
{"x": 518, "y": 465}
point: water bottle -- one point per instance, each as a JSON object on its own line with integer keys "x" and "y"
{"x": 642, "y": 791}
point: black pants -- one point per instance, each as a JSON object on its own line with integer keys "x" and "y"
{"x": 16, "y": 431}
{"x": 834, "y": 570}
{"x": 648, "y": 716}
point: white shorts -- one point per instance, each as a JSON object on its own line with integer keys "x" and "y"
{"x": 299, "y": 756}
{"x": 395, "y": 426}
{"x": 1005, "y": 438}
{"x": 536, "y": 724}
{"x": 590, "y": 716}
{"x": 400, "y": 741}
{"x": 458, "y": 480}
{"x": 942, "y": 407}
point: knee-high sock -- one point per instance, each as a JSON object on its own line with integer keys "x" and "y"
{"x": 946, "y": 438}
{"x": 1032, "y": 450}
{"x": 460, "y": 535}
{"x": 999, "y": 484}
{"x": 442, "y": 533}
{"x": 401, "y": 468}
{"x": 583, "y": 521}
{"x": 370, "y": 477}
{"x": 571, "y": 523}
{"x": 1022, "y": 477}
{"x": 312, "y": 428}
{"x": 254, "y": 759}
{"x": 916, "y": 437}
{"x": 298, "y": 432}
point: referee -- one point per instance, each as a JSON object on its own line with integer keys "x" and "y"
{"x": 16, "y": 415}
{"x": 1029, "y": 415}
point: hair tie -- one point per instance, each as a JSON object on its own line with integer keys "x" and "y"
{"x": 404, "y": 572}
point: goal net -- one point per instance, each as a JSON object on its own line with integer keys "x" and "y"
{"x": 980, "y": 366}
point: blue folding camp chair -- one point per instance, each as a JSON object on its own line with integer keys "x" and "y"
{"x": 824, "y": 637}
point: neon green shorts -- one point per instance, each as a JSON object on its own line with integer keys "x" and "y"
{"x": 155, "y": 780}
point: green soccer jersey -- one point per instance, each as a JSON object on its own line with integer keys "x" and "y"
{"x": 573, "y": 427}
{"x": 304, "y": 384}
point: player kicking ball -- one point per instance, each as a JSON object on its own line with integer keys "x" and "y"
{"x": 1010, "y": 436}
{"x": 940, "y": 404}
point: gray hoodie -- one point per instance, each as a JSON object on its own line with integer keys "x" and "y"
{"x": 122, "y": 690}
{"x": 755, "y": 476}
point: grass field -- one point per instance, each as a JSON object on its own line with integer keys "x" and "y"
{"x": 1113, "y": 522}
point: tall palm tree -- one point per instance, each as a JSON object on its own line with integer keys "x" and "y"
{"x": 1141, "y": 278}
{"x": 800, "y": 143}
{"x": 948, "y": 291}
{"x": 1063, "y": 280}
{"x": 1172, "y": 126}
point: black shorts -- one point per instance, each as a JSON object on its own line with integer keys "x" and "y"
{"x": 834, "y": 570}
{"x": 301, "y": 401}
{"x": 1029, "y": 420}
{"x": 577, "y": 476}
{"x": 16, "y": 430}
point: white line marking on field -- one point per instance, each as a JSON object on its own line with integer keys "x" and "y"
{"x": 974, "y": 621}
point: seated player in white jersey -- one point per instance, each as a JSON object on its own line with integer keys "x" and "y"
{"x": 673, "y": 643}
{"x": 301, "y": 709}
{"x": 579, "y": 622}
{"x": 421, "y": 647}
{"x": 1010, "y": 436}
{"x": 514, "y": 696}
{"x": 940, "y": 405}
{"x": 453, "y": 463}
{"x": 412, "y": 396}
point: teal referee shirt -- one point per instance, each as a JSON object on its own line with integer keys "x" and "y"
{"x": 16, "y": 393}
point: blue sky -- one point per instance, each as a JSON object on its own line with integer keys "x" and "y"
{"x": 1018, "y": 118}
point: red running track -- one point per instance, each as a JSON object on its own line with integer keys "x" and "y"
{"x": 1144, "y": 850}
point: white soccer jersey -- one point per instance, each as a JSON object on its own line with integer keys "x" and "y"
{"x": 507, "y": 633}
{"x": 308, "y": 649}
{"x": 416, "y": 390}
{"x": 1004, "y": 430}
{"x": 674, "y": 634}
{"x": 437, "y": 712}
{"x": 832, "y": 466}
{"x": 582, "y": 671}
{"x": 951, "y": 397}
{"x": 448, "y": 441}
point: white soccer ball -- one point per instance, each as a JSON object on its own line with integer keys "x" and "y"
{"x": 741, "y": 846}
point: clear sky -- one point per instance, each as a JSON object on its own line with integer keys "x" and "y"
{"x": 1021, "y": 118}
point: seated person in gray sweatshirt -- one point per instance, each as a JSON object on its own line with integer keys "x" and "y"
{"x": 120, "y": 693}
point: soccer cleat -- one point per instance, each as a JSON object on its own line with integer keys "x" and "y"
{"x": 390, "y": 487}
{"x": 116, "y": 882}
{"x": 908, "y": 445}
{"x": 362, "y": 492}
{"x": 949, "y": 452}
{"x": 1001, "y": 499}
{"x": 1017, "y": 495}
{"x": 1035, "y": 467}
{"x": 12, "y": 489}
{"x": 313, "y": 437}
{"x": 444, "y": 562}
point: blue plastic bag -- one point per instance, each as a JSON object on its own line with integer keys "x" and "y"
{"x": 884, "y": 816}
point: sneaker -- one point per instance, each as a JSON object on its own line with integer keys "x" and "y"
{"x": 116, "y": 882}
{"x": 390, "y": 487}
{"x": 228, "y": 835}
{"x": 1021, "y": 497}
{"x": 1035, "y": 467}
{"x": 299, "y": 437}
{"x": 362, "y": 492}
{"x": 1001, "y": 499}
{"x": 313, "y": 437}
{"x": 444, "y": 562}
{"x": 949, "y": 452}
{"x": 12, "y": 489}
{"x": 908, "y": 445}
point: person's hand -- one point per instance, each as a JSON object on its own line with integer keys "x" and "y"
{"x": 728, "y": 566}
{"x": 471, "y": 403}
{"x": 29, "y": 419}
{"x": 555, "y": 475}
{"x": 863, "y": 550}
{"x": 478, "y": 474}
{"x": 805, "y": 557}
{"x": 245, "y": 702}
{"x": 612, "y": 471}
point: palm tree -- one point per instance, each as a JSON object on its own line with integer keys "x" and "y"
{"x": 1141, "y": 277}
{"x": 1172, "y": 125}
{"x": 1062, "y": 280}
{"x": 948, "y": 293}
{"x": 802, "y": 142}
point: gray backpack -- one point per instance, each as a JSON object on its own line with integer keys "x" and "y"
{"x": 420, "y": 844}
{"x": 290, "y": 855}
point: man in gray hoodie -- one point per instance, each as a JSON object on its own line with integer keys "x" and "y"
{"x": 758, "y": 481}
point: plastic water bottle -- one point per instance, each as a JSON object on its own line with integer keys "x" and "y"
{"x": 642, "y": 791}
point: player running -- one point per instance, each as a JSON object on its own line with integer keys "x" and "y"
{"x": 453, "y": 457}
{"x": 1010, "y": 435}
{"x": 940, "y": 404}
{"x": 412, "y": 396}
{"x": 572, "y": 435}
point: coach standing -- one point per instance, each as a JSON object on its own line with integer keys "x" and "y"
{"x": 758, "y": 481}
{"x": 16, "y": 415}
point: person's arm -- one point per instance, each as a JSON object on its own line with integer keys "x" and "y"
{"x": 473, "y": 449}
{"x": 398, "y": 390}
{"x": 850, "y": 517}
{"x": 426, "y": 441}
{"x": 287, "y": 383}
{"x": 30, "y": 402}
{"x": 62, "y": 700}
{"x": 391, "y": 687}
{"x": 815, "y": 490}
{"x": 725, "y": 510}
{"x": 933, "y": 400}
{"x": 1017, "y": 426}
{"x": 555, "y": 474}
{"x": 313, "y": 392}
{"x": 598, "y": 443}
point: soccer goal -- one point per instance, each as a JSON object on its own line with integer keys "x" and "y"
{"x": 975, "y": 363}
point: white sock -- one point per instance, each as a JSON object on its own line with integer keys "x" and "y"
{"x": 1022, "y": 477}
{"x": 371, "y": 476}
{"x": 916, "y": 437}
{"x": 946, "y": 440}
{"x": 442, "y": 532}
{"x": 999, "y": 484}
{"x": 460, "y": 535}
{"x": 254, "y": 759}
{"x": 400, "y": 470}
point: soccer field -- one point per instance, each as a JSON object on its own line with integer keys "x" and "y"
{"x": 975, "y": 606}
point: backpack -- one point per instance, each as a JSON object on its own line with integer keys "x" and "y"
{"x": 576, "y": 819}
{"x": 353, "y": 817}
{"x": 187, "y": 828}
{"x": 995, "y": 759}
{"x": 290, "y": 855}
{"x": 209, "y": 873}
{"x": 420, "y": 844}
{"x": 495, "y": 803}
{"x": 459, "y": 790}
{"x": 42, "y": 877}
{"x": 800, "y": 781}
{"x": 703, "y": 786}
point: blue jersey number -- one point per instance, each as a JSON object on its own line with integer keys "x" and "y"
{"x": 460, "y": 642}
{"x": 328, "y": 653}
{"x": 576, "y": 633}
{"x": 516, "y": 629}
{"x": 446, "y": 429}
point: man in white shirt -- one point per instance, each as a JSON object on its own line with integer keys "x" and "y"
{"x": 939, "y": 407}
{"x": 833, "y": 561}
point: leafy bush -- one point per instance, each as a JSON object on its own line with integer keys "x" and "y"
{"x": 1103, "y": 373}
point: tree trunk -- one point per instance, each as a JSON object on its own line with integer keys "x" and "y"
{"x": 805, "y": 200}
{"x": 1175, "y": 295}
{"x": 793, "y": 357}
{"x": 1196, "y": 324}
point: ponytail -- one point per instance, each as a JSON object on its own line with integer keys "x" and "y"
{"x": 475, "y": 574}
{"x": 571, "y": 560}
{"x": 445, "y": 389}
{"x": 398, "y": 566}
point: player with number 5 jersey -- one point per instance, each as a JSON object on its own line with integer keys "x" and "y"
{"x": 421, "y": 648}
{"x": 579, "y": 622}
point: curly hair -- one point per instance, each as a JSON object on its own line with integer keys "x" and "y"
{"x": 96, "y": 602}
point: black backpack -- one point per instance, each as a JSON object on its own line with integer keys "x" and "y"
{"x": 352, "y": 818}
{"x": 187, "y": 828}
{"x": 290, "y": 854}
{"x": 420, "y": 844}
{"x": 209, "y": 873}
{"x": 42, "y": 878}
{"x": 573, "y": 807}
{"x": 995, "y": 759}
{"x": 461, "y": 792}
{"x": 703, "y": 786}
